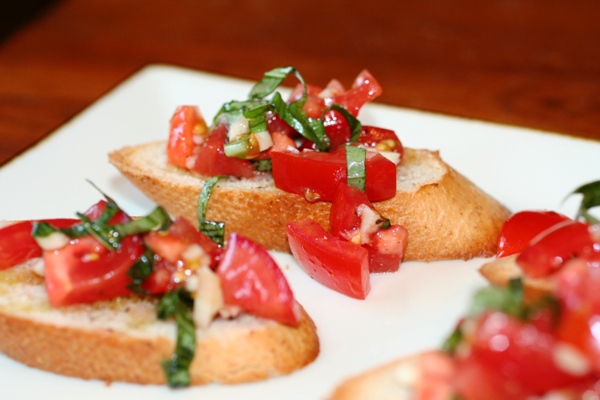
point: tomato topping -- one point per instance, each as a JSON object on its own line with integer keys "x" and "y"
{"x": 186, "y": 124}
{"x": 522, "y": 227}
{"x": 364, "y": 89}
{"x": 554, "y": 246}
{"x": 252, "y": 280}
{"x": 385, "y": 246}
{"x": 521, "y": 354}
{"x": 85, "y": 271}
{"x": 212, "y": 161}
{"x": 386, "y": 249}
{"x": 331, "y": 261}
{"x": 17, "y": 245}
{"x": 316, "y": 175}
{"x": 95, "y": 211}
{"x": 170, "y": 249}
{"x": 381, "y": 139}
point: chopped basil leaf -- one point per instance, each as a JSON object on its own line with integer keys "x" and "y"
{"x": 110, "y": 238}
{"x": 42, "y": 229}
{"x": 179, "y": 304}
{"x": 272, "y": 80}
{"x": 355, "y": 165}
{"x": 215, "y": 230}
{"x": 510, "y": 301}
{"x": 353, "y": 122}
{"x": 158, "y": 219}
{"x": 212, "y": 229}
{"x": 452, "y": 342}
{"x": 591, "y": 199}
{"x": 140, "y": 271}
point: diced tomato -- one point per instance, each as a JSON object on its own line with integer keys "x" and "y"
{"x": 276, "y": 124}
{"x": 17, "y": 245}
{"x": 95, "y": 211}
{"x": 169, "y": 247}
{"x": 385, "y": 246}
{"x": 522, "y": 227}
{"x": 381, "y": 138}
{"x": 337, "y": 129}
{"x": 364, "y": 89}
{"x": 251, "y": 279}
{"x": 316, "y": 175}
{"x": 554, "y": 246}
{"x": 519, "y": 353}
{"x": 85, "y": 271}
{"x": 212, "y": 161}
{"x": 331, "y": 261}
{"x": 436, "y": 380}
{"x": 186, "y": 124}
{"x": 386, "y": 249}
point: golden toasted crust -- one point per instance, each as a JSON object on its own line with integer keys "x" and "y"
{"x": 72, "y": 341}
{"x": 399, "y": 379}
{"x": 500, "y": 271}
{"x": 446, "y": 215}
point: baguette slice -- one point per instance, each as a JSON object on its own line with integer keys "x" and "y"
{"x": 446, "y": 215}
{"x": 122, "y": 340}
{"x": 424, "y": 375}
{"x": 501, "y": 270}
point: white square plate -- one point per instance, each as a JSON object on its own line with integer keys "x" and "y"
{"x": 405, "y": 312}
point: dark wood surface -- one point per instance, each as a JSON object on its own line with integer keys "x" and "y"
{"x": 533, "y": 63}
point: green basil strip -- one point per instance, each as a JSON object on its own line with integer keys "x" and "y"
{"x": 104, "y": 233}
{"x": 591, "y": 199}
{"x": 140, "y": 271}
{"x": 356, "y": 166}
{"x": 158, "y": 219}
{"x": 451, "y": 343}
{"x": 272, "y": 80}
{"x": 42, "y": 229}
{"x": 179, "y": 304}
{"x": 212, "y": 229}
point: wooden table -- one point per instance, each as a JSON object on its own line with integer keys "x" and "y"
{"x": 529, "y": 63}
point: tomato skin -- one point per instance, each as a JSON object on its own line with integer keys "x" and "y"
{"x": 84, "y": 271}
{"x": 371, "y": 136}
{"x": 212, "y": 161}
{"x": 521, "y": 354}
{"x": 316, "y": 175}
{"x": 554, "y": 246}
{"x": 185, "y": 123}
{"x": 331, "y": 261}
{"x": 364, "y": 89}
{"x": 95, "y": 211}
{"x": 251, "y": 279}
{"x": 386, "y": 249}
{"x": 385, "y": 246}
{"x": 522, "y": 227}
{"x": 17, "y": 245}
{"x": 169, "y": 247}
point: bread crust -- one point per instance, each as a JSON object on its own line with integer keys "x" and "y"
{"x": 501, "y": 270}
{"x": 228, "y": 352}
{"x": 446, "y": 215}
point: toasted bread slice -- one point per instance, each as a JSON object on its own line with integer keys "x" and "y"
{"x": 446, "y": 215}
{"x": 501, "y": 270}
{"x": 122, "y": 340}
{"x": 424, "y": 375}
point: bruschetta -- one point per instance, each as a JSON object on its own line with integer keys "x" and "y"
{"x": 530, "y": 335}
{"x": 149, "y": 300}
{"x": 284, "y": 160}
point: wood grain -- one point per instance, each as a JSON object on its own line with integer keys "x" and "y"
{"x": 529, "y": 63}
